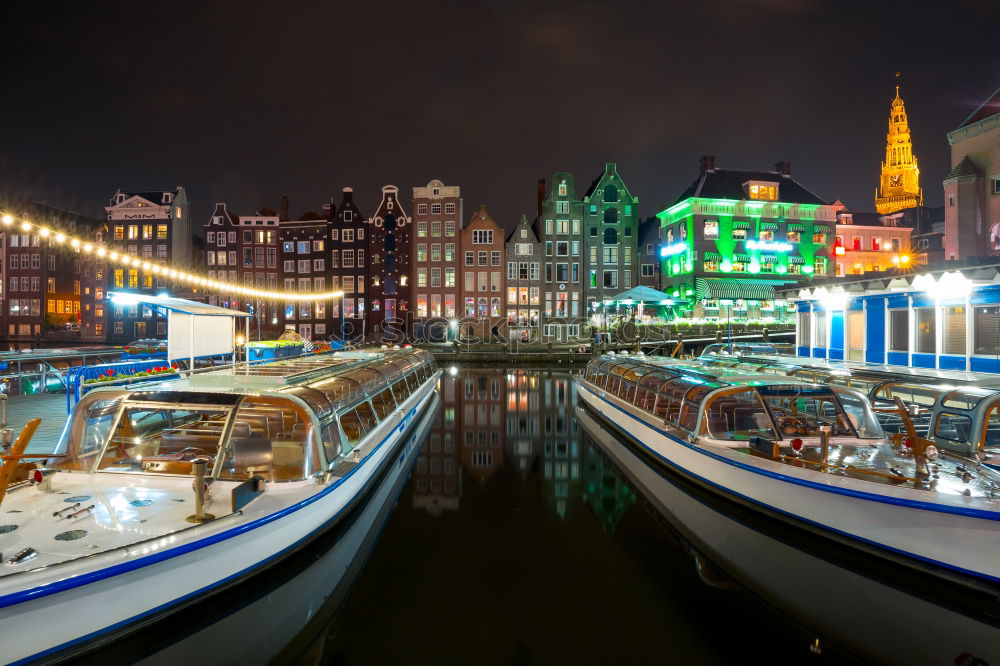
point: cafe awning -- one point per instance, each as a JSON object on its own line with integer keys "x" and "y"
{"x": 644, "y": 295}
{"x": 735, "y": 288}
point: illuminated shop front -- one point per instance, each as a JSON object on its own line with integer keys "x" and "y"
{"x": 733, "y": 237}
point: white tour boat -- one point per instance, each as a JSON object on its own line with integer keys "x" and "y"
{"x": 161, "y": 494}
{"x": 812, "y": 455}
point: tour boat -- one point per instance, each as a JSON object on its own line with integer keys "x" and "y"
{"x": 160, "y": 494}
{"x": 845, "y": 597}
{"x": 811, "y": 454}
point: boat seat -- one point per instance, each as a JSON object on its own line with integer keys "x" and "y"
{"x": 181, "y": 439}
{"x": 717, "y": 423}
{"x": 293, "y": 436}
{"x": 744, "y": 418}
{"x": 251, "y": 451}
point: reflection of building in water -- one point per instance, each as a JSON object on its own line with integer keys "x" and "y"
{"x": 605, "y": 491}
{"x": 437, "y": 475}
{"x": 523, "y": 403}
{"x": 482, "y": 433}
{"x": 561, "y": 440}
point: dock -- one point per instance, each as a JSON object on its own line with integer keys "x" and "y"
{"x": 515, "y": 354}
{"x": 49, "y": 407}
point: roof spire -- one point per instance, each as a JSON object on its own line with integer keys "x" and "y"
{"x": 897, "y": 85}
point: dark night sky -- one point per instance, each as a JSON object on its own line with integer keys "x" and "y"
{"x": 243, "y": 102}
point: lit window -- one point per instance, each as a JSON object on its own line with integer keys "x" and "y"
{"x": 763, "y": 191}
{"x": 711, "y": 228}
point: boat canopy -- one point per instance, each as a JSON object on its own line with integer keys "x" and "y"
{"x": 286, "y": 434}
{"x": 728, "y": 407}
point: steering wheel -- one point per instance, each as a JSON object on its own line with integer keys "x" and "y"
{"x": 196, "y": 450}
{"x": 791, "y": 423}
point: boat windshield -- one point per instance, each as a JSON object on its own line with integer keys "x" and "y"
{"x": 738, "y": 413}
{"x": 799, "y": 411}
{"x": 860, "y": 414}
{"x": 966, "y": 398}
{"x": 92, "y": 427}
{"x": 164, "y": 437}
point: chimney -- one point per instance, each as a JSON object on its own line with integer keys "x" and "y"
{"x": 708, "y": 163}
{"x": 283, "y": 209}
{"x": 784, "y": 168}
{"x": 541, "y": 196}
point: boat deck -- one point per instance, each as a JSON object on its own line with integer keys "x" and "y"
{"x": 113, "y": 511}
{"x": 882, "y": 464}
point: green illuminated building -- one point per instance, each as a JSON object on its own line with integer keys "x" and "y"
{"x": 734, "y": 235}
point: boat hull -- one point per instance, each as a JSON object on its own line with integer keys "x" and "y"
{"x": 868, "y": 610}
{"x": 958, "y": 540}
{"x": 91, "y": 607}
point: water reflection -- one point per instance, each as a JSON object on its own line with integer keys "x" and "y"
{"x": 522, "y": 544}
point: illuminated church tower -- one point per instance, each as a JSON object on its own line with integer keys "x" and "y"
{"x": 899, "y": 185}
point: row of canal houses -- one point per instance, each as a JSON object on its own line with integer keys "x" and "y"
{"x": 426, "y": 267}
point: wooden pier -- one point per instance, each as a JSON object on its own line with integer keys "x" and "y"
{"x": 49, "y": 407}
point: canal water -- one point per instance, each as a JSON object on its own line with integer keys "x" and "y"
{"x": 503, "y": 534}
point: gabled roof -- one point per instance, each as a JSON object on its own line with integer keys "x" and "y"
{"x": 347, "y": 204}
{"x": 728, "y": 184}
{"x": 611, "y": 167}
{"x": 964, "y": 169}
{"x": 222, "y": 209}
{"x": 522, "y": 223}
{"x": 990, "y": 107}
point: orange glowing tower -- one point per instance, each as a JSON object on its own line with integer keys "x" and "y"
{"x": 899, "y": 186}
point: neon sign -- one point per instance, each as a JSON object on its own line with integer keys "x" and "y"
{"x": 670, "y": 250}
{"x": 774, "y": 246}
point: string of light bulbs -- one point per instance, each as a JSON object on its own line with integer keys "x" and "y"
{"x": 161, "y": 270}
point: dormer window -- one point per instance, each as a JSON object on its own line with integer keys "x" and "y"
{"x": 120, "y": 198}
{"x": 762, "y": 191}
{"x": 167, "y": 197}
